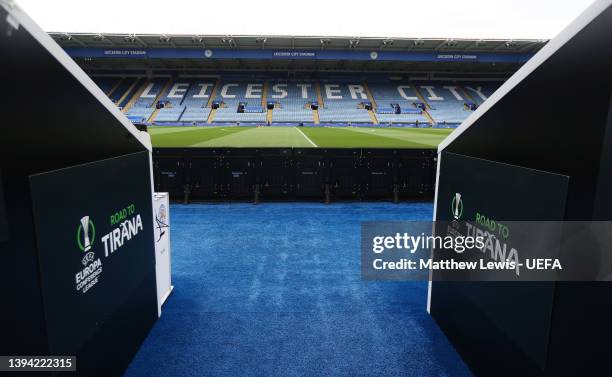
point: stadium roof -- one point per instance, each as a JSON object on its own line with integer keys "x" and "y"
{"x": 227, "y": 52}
{"x": 297, "y": 42}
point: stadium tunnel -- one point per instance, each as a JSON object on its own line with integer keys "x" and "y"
{"x": 278, "y": 288}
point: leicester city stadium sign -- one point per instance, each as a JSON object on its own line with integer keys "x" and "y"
{"x": 294, "y": 54}
{"x": 457, "y": 57}
{"x": 124, "y": 52}
{"x": 289, "y": 54}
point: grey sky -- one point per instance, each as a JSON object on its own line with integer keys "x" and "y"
{"x": 538, "y": 19}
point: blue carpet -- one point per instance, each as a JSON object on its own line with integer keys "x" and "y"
{"x": 275, "y": 290}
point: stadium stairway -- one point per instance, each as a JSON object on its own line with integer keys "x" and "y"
{"x": 135, "y": 97}
{"x": 264, "y": 101}
{"x": 430, "y": 119}
{"x": 213, "y": 94}
{"x": 211, "y": 116}
{"x": 480, "y": 93}
{"x": 372, "y": 112}
{"x": 373, "y": 117}
{"x": 315, "y": 117}
{"x": 264, "y": 94}
{"x": 191, "y": 84}
{"x": 467, "y": 95}
{"x": 319, "y": 95}
{"x": 153, "y": 116}
{"x": 370, "y": 96}
{"x": 112, "y": 90}
{"x": 120, "y": 96}
{"x": 159, "y": 96}
{"x": 427, "y": 106}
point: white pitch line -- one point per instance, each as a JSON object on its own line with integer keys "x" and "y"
{"x": 306, "y": 137}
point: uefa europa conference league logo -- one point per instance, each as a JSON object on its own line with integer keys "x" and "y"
{"x": 85, "y": 227}
{"x": 86, "y": 234}
{"x": 89, "y": 275}
{"x": 127, "y": 225}
{"x": 457, "y": 206}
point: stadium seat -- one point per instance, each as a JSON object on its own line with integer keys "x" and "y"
{"x": 446, "y": 101}
{"x": 144, "y": 104}
{"x": 231, "y": 93}
{"x": 247, "y": 100}
{"x": 387, "y": 93}
{"x": 293, "y": 99}
{"x": 342, "y": 104}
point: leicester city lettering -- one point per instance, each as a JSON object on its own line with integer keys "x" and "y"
{"x": 308, "y": 91}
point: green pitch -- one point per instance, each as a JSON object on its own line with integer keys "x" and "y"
{"x": 304, "y": 137}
